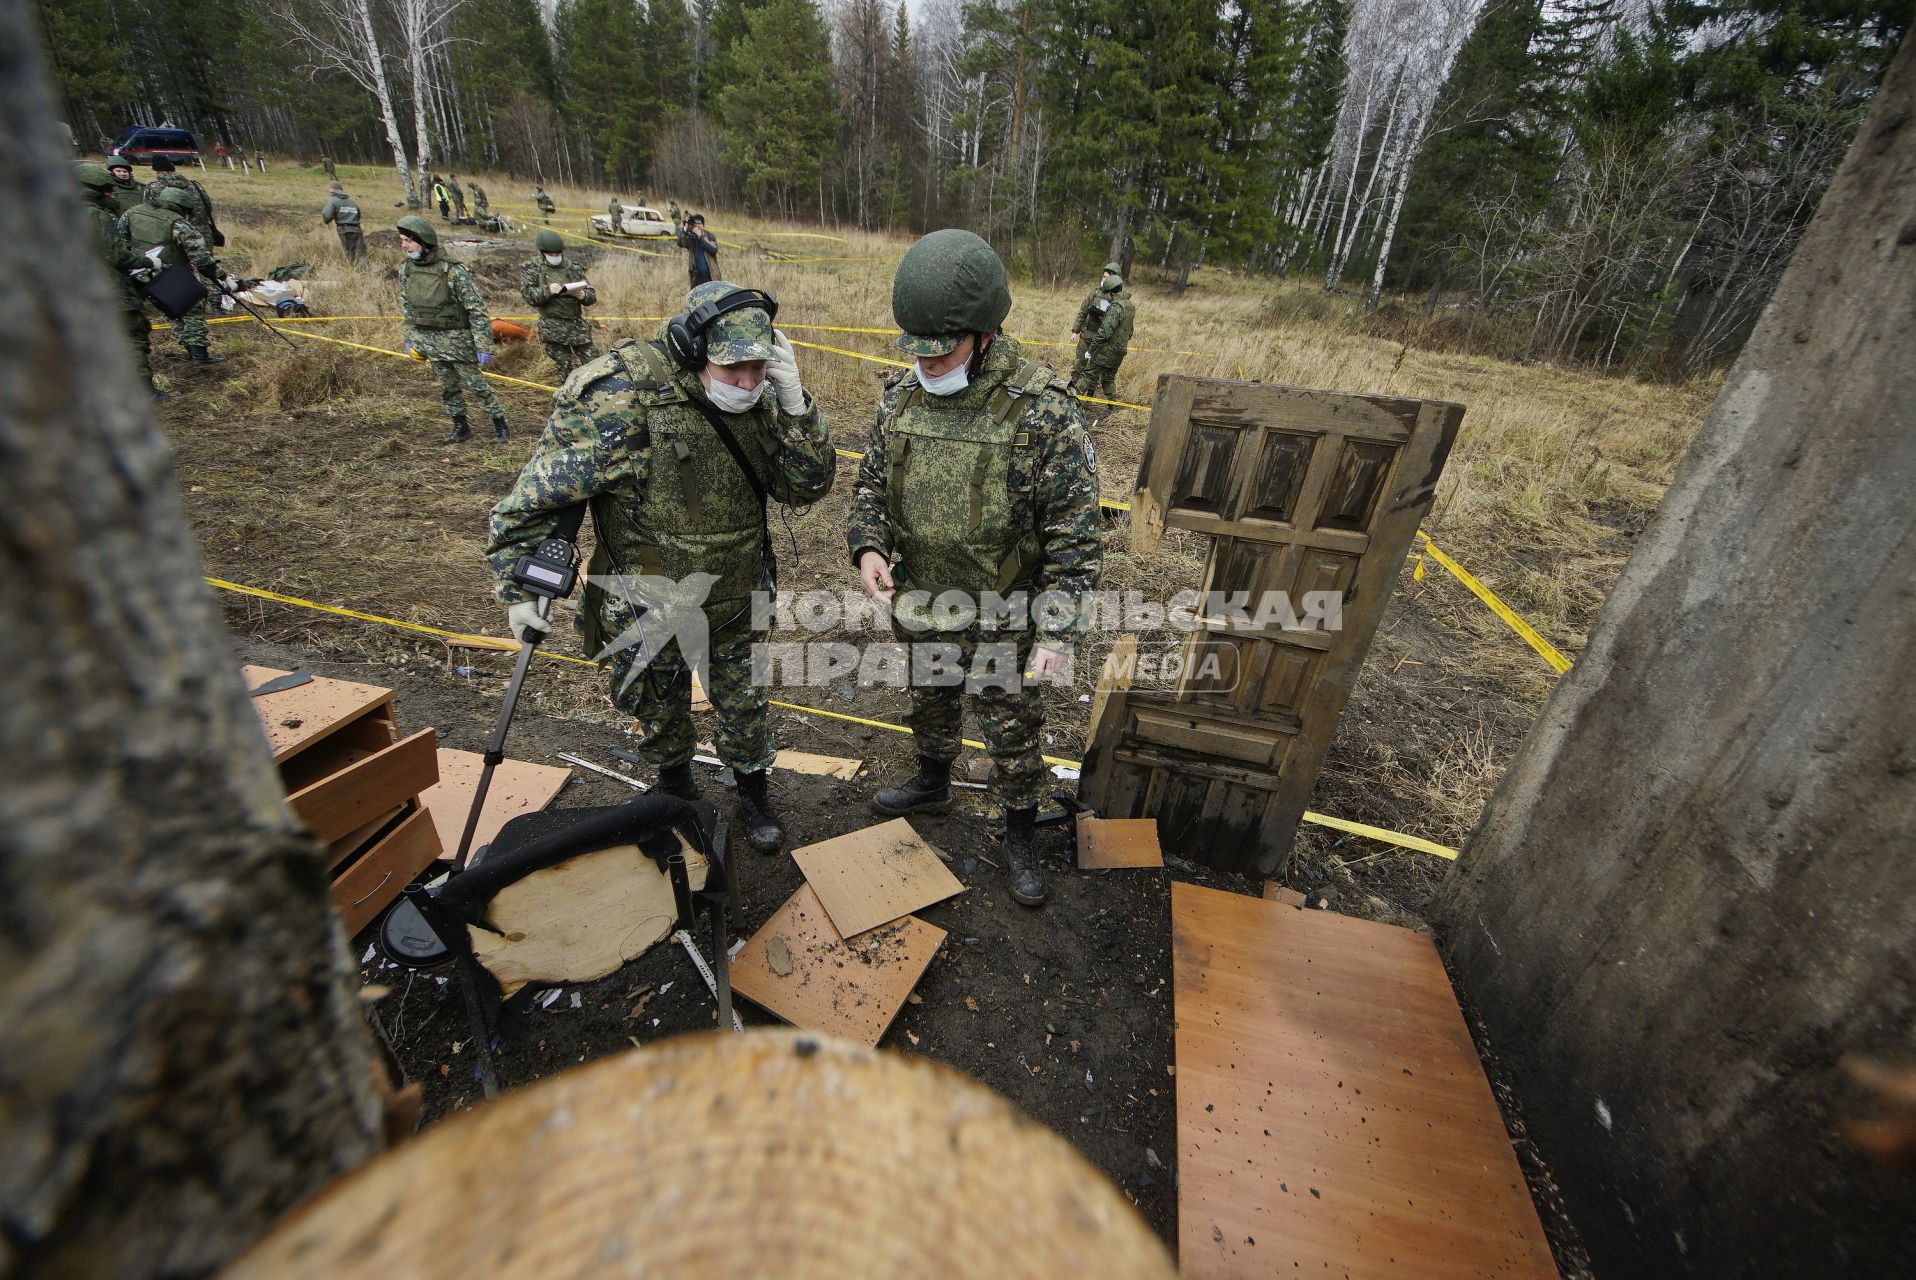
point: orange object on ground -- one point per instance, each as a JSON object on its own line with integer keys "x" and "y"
{"x": 507, "y": 331}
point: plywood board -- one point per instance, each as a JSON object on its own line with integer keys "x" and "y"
{"x": 875, "y": 875}
{"x": 518, "y": 786}
{"x": 580, "y": 919}
{"x": 1275, "y": 892}
{"x": 852, "y": 988}
{"x": 1105, "y": 843}
{"x": 296, "y": 718}
{"x": 824, "y": 766}
{"x": 1333, "y": 1117}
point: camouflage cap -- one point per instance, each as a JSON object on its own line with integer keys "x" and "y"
{"x": 93, "y": 176}
{"x": 736, "y": 336}
{"x": 949, "y": 284}
{"x": 549, "y": 242}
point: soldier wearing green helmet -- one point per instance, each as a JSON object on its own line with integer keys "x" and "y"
{"x": 1103, "y": 327}
{"x": 559, "y": 292}
{"x": 447, "y": 326}
{"x": 646, "y": 435}
{"x": 979, "y": 480}
{"x": 126, "y": 192}
{"x": 163, "y": 232}
{"x": 124, "y": 266}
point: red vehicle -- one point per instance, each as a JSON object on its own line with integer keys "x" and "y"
{"x": 139, "y": 144}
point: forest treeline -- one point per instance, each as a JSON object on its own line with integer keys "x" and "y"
{"x": 1607, "y": 182}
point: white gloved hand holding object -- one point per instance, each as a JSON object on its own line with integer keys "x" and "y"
{"x": 555, "y": 289}
{"x": 524, "y": 617}
{"x": 782, "y": 372}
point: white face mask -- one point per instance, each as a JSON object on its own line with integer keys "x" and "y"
{"x": 727, "y": 398}
{"x": 415, "y": 254}
{"x": 948, "y": 383}
{"x": 554, "y": 259}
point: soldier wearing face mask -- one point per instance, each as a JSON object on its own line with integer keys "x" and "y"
{"x": 979, "y": 478}
{"x": 636, "y": 432}
{"x": 559, "y": 292}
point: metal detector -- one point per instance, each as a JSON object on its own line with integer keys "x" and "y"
{"x": 247, "y": 307}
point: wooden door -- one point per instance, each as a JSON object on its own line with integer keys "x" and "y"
{"x": 1312, "y": 493}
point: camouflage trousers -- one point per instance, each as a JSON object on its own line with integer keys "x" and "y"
{"x": 190, "y": 329}
{"x": 139, "y": 331}
{"x": 353, "y": 241}
{"x": 569, "y": 355}
{"x": 1092, "y": 378}
{"x": 661, "y": 697}
{"x": 1013, "y": 720}
{"x": 458, "y": 376}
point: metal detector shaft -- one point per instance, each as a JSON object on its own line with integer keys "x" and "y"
{"x": 247, "y": 307}
{"x": 495, "y": 752}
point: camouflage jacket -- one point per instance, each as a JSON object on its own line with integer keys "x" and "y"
{"x": 561, "y": 316}
{"x": 625, "y": 435}
{"x": 182, "y": 242}
{"x": 203, "y": 217}
{"x": 455, "y": 343}
{"x": 478, "y": 196}
{"x": 127, "y": 194}
{"x": 115, "y": 250}
{"x": 544, "y": 201}
{"x": 1106, "y": 331}
{"x": 1051, "y": 480}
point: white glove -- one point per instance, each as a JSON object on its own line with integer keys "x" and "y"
{"x": 555, "y": 289}
{"x": 524, "y": 617}
{"x": 782, "y": 372}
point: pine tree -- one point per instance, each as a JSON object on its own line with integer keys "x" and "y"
{"x": 775, "y": 109}
{"x": 606, "y": 96}
{"x": 91, "y": 70}
{"x": 669, "y": 56}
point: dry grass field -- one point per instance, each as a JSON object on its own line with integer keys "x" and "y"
{"x": 316, "y": 470}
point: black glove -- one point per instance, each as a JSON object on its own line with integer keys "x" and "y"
{"x": 210, "y": 271}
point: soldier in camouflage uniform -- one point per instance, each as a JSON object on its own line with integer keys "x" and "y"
{"x": 480, "y": 205}
{"x": 126, "y": 192}
{"x": 562, "y": 325}
{"x": 1103, "y": 328}
{"x": 164, "y": 176}
{"x": 342, "y": 211}
{"x": 630, "y": 433}
{"x": 162, "y": 232}
{"x": 544, "y": 201}
{"x": 458, "y": 195}
{"x": 979, "y": 478}
{"x": 123, "y": 264}
{"x": 326, "y": 163}
{"x": 616, "y": 212}
{"x": 447, "y": 326}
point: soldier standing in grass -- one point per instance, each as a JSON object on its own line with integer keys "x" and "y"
{"x": 162, "y": 232}
{"x": 558, "y": 291}
{"x": 458, "y": 197}
{"x": 164, "y": 176}
{"x": 123, "y": 263}
{"x": 979, "y": 478}
{"x": 326, "y": 163}
{"x": 1103, "y": 328}
{"x": 615, "y": 211}
{"x": 480, "y": 205}
{"x": 342, "y": 211}
{"x": 636, "y": 432}
{"x": 447, "y": 326}
{"x": 126, "y": 192}
{"x": 544, "y": 201}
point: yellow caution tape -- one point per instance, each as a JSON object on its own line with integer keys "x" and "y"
{"x": 1383, "y": 834}
{"x": 387, "y": 351}
{"x": 1544, "y": 648}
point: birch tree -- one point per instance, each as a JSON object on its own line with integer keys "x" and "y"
{"x": 339, "y": 37}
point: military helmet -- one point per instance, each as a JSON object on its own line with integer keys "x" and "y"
{"x": 1115, "y": 268}
{"x": 93, "y": 176}
{"x": 419, "y": 229}
{"x": 118, "y": 162}
{"x": 178, "y": 200}
{"x": 549, "y": 242}
{"x": 949, "y": 284}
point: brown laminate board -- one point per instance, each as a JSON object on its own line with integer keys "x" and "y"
{"x": 518, "y": 786}
{"x": 874, "y": 875}
{"x": 847, "y": 988}
{"x": 1275, "y": 892}
{"x": 1333, "y": 1117}
{"x": 295, "y": 718}
{"x": 1107, "y": 843}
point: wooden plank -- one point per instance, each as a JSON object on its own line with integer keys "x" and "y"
{"x": 363, "y": 889}
{"x": 518, "y": 786}
{"x": 851, "y": 988}
{"x": 1333, "y": 1117}
{"x": 296, "y": 718}
{"x": 580, "y": 919}
{"x": 875, "y": 875}
{"x": 1104, "y": 843}
{"x": 349, "y": 845}
{"x": 1275, "y": 892}
{"x": 349, "y": 799}
{"x": 822, "y": 766}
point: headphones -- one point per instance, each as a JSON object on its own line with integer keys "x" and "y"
{"x": 685, "y": 332}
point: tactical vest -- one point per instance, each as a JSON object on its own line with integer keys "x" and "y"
{"x": 697, "y": 513}
{"x": 427, "y": 291}
{"x": 949, "y": 490}
{"x": 150, "y": 227}
{"x": 565, "y": 306}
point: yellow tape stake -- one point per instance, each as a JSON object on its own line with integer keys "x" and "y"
{"x": 1383, "y": 834}
{"x": 1510, "y": 616}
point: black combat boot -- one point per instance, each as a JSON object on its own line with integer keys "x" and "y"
{"x": 755, "y": 809}
{"x": 676, "y": 780}
{"x": 460, "y": 431}
{"x": 202, "y": 356}
{"x": 500, "y": 431}
{"x": 1021, "y": 857}
{"x": 928, "y": 792}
